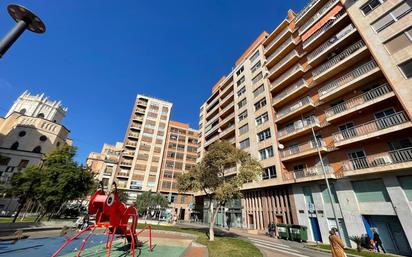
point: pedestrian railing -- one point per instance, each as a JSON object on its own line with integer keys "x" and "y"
{"x": 293, "y": 107}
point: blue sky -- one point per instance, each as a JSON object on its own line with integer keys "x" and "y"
{"x": 97, "y": 55}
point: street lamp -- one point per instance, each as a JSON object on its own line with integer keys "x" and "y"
{"x": 25, "y": 20}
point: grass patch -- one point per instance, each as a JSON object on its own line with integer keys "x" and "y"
{"x": 353, "y": 251}
{"x": 225, "y": 244}
{"x": 30, "y": 219}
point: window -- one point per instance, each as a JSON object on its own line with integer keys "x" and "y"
{"x": 257, "y": 78}
{"x": 263, "y": 135}
{"x": 22, "y": 133}
{"x": 370, "y": 191}
{"x": 266, "y": 153}
{"x": 262, "y": 119}
{"x": 298, "y": 168}
{"x": 269, "y": 172}
{"x": 259, "y": 90}
{"x": 239, "y": 71}
{"x": 241, "y": 91}
{"x": 406, "y": 184}
{"x": 244, "y": 129}
{"x": 240, "y": 81}
{"x": 254, "y": 56}
{"x": 399, "y": 42}
{"x": 325, "y": 193}
{"x": 406, "y": 68}
{"x": 4, "y": 161}
{"x": 370, "y": 6}
{"x": 393, "y": 16}
{"x": 241, "y": 103}
{"x": 40, "y": 115}
{"x": 37, "y": 149}
{"x": 43, "y": 138}
{"x": 244, "y": 144}
{"x": 23, "y": 164}
{"x": 242, "y": 116}
{"x": 256, "y": 66}
{"x": 262, "y": 102}
{"x": 23, "y": 111}
{"x": 14, "y": 146}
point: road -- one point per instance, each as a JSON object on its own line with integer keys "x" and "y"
{"x": 282, "y": 248}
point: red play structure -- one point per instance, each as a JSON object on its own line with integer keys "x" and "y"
{"x": 114, "y": 216}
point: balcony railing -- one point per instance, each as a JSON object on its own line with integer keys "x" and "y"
{"x": 135, "y": 135}
{"x": 370, "y": 127}
{"x": 231, "y": 105}
{"x": 307, "y": 172}
{"x": 290, "y": 108}
{"x": 276, "y": 39}
{"x": 280, "y": 49}
{"x": 348, "y": 29}
{"x": 130, "y": 143}
{"x": 338, "y": 58}
{"x": 377, "y": 160}
{"x": 348, "y": 77}
{"x": 287, "y": 74}
{"x": 324, "y": 28}
{"x": 295, "y": 86}
{"x": 125, "y": 163}
{"x": 143, "y": 103}
{"x": 230, "y": 127}
{"x": 305, "y": 10}
{"x": 140, "y": 110}
{"x": 226, "y": 97}
{"x": 128, "y": 153}
{"x": 317, "y": 15}
{"x": 297, "y": 149}
{"x": 283, "y": 61}
{"x": 298, "y": 126}
{"x": 358, "y": 100}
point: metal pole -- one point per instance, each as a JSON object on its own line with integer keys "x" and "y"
{"x": 12, "y": 36}
{"x": 326, "y": 180}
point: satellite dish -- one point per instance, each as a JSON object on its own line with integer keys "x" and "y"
{"x": 281, "y": 146}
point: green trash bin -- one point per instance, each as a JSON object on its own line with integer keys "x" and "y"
{"x": 283, "y": 230}
{"x": 298, "y": 233}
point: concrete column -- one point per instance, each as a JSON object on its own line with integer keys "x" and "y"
{"x": 349, "y": 207}
{"x": 400, "y": 204}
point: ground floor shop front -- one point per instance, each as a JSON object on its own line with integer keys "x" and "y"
{"x": 363, "y": 204}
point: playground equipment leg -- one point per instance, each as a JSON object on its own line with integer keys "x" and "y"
{"x": 71, "y": 239}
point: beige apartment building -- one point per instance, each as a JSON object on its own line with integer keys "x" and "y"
{"x": 104, "y": 164}
{"x": 143, "y": 146}
{"x": 179, "y": 156}
{"x": 337, "y": 81}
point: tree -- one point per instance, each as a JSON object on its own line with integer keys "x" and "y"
{"x": 148, "y": 200}
{"x": 63, "y": 180}
{"x": 25, "y": 185}
{"x": 123, "y": 196}
{"x": 210, "y": 176}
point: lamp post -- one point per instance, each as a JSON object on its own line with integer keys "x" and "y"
{"x": 25, "y": 19}
{"x": 326, "y": 180}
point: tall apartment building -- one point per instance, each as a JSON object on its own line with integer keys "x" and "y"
{"x": 338, "y": 78}
{"x": 143, "y": 147}
{"x": 104, "y": 164}
{"x": 180, "y": 155}
{"x": 31, "y": 129}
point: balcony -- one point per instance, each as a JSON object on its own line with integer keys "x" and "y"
{"x": 227, "y": 130}
{"x": 312, "y": 20}
{"x": 287, "y": 77}
{"x": 140, "y": 110}
{"x": 126, "y": 163}
{"x": 290, "y": 92}
{"x": 227, "y": 108}
{"x": 345, "y": 59}
{"x": 284, "y": 64}
{"x": 371, "y": 129}
{"x": 298, "y": 107}
{"x": 133, "y": 135}
{"x": 278, "y": 39}
{"x": 228, "y": 118}
{"x": 358, "y": 76}
{"x": 319, "y": 35}
{"x": 331, "y": 43}
{"x": 141, "y": 103}
{"x": 298, "y": 128}
{"x": 306, "y": 9}
{"x": 138, "y": 118}
{"x": 359, "y": 102}
{"x": 211, "y": 130}
{"x": 285, "y": 47}
{"x": 382, "y": 162}
{"x": 123, "y": 175}
{"x": 128, "y": 153}
{"x": 302, "y": 150}
{"x": 212, "y": 140}
{"x": 308, "y": 174}
{"x": 131, "y": 144}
